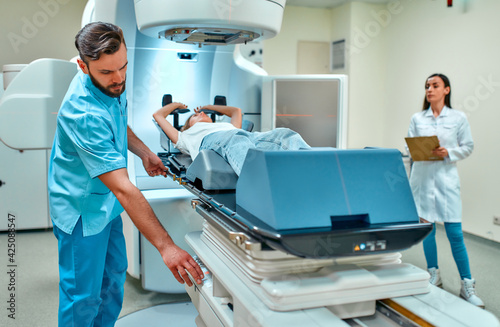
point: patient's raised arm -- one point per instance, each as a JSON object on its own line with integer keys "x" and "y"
{"x": 233, "y": 112}
{"x": 161, "y": 118}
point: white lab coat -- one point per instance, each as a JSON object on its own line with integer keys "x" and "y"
{"x": 435, "y": 184}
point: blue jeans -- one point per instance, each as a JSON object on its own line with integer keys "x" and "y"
{"x": 92, "y": 272}
{"x": 233, "y": 145}
{"x": 456, "y": 238}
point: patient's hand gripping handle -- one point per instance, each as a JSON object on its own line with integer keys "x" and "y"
{"x": 167, "y": 98}
{"x": 219, "y": 100}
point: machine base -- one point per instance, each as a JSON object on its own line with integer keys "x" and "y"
{"x": 226, "y": 300}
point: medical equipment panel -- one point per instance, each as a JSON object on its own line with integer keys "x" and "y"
{"x": 307, "y": 104}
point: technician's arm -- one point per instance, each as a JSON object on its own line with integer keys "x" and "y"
{"x": 139, "y": 210}
{"x": 161, "y": 115}
{"x": 233, "y": 112}
{"x": 153, "y": 165}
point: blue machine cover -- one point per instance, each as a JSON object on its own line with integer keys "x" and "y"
{"x": 325, "y": 188}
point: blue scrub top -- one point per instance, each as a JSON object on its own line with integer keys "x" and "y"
{"x": 90, "y": 140}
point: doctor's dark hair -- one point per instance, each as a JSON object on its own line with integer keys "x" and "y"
{"x": 447, "y": 99}
{"x": 97, "y": 38}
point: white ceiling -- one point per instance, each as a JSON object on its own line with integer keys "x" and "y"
{"x": 325, "y": 3}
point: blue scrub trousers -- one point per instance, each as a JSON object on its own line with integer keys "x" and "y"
{"x": 456, "y": 238}
{"x": 92, "y": 272}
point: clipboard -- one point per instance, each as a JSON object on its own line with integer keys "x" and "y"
{"x": 421, "y": 148}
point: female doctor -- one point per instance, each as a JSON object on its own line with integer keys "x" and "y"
{"x": 436, "y": 185}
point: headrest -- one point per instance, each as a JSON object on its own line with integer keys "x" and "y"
{"x": 212, "y": 171}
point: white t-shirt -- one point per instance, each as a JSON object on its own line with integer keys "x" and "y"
{"x": 190, "y": 140}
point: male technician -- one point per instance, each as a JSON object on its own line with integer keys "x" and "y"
{"x": 89, "y": 186}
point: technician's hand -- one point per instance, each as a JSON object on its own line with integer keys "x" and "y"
{"x": 180, "y": 263}
{"x": 154, "y": 166}
{"x": 440, "y": 152}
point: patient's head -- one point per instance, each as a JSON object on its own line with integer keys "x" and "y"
{"x": 195, "y": 118}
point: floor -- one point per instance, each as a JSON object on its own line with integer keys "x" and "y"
{"x": 35, "y": 278}
{"x": 182, "y": 313}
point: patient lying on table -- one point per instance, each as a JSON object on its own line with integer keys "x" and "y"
{"x": 227, "y": 139}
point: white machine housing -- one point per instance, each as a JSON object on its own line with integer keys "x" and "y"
{"x": 30, "y": 103}
{"x": 28, "y": 111}
{"x": 219, "y": 22}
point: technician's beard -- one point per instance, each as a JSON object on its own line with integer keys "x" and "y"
{"x": 107, "y": 90}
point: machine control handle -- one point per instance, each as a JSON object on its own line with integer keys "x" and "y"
{"x": 195, "y": 202}
{"x": 238, "y": 238}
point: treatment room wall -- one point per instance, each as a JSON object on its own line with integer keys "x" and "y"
{"x": 299, "y": 24}
{"x": 366, "y": 69}
{"x": 392, "y": 49}
{"x": 34, "y": 29}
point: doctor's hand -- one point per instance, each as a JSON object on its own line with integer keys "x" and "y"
{"x": 154, "y": 166}
{"x": 180, "y": 263}
{"x": 440, "y": 152}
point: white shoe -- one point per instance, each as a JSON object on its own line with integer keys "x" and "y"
{"x": 435, "y": 277}
{"x": 468, "y": 292}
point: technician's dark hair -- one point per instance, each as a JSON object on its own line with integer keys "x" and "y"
{"x": 447, "y": 99}
{"x": 97, "y": 38}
